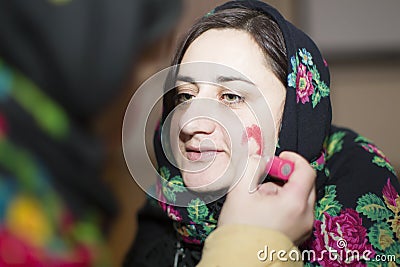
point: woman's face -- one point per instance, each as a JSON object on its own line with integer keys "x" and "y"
{"x": 204, "y": 141}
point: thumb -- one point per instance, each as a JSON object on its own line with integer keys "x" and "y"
{"x": 269, "y": 188}
{"x": 303, "y": 177}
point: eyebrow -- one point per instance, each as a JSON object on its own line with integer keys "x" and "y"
{"x": 223, "y": 79}
{"x": 187, "y": 79}
{"x": 220, "y": 79}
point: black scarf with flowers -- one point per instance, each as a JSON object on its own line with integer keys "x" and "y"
{"x": 357, "y": 205}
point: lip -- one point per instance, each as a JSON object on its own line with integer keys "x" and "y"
{"x": 202, "y": 153}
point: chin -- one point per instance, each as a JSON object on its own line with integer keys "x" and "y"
{"x": 201, "y": 182}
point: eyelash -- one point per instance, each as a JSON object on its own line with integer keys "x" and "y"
{"x": 179, "y": 98}
{"x": 184, "y": 97}
{"x": 238, "y": 99}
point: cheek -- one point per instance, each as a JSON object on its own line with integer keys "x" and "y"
{"x": 175, "y": 143}
{"x": 253, "y": 132}
{"x": 278, "y": 114}
{"x": 277, "y": 107}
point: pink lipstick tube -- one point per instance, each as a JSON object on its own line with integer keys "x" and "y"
{"x": 281, "y": 168}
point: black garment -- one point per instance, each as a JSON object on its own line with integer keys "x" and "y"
{"x": 157, "y": 243}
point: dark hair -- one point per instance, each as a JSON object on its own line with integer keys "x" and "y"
{"x": 263, "y": 29}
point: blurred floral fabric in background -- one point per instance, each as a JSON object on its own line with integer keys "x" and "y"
{"x": 61, "y": 64}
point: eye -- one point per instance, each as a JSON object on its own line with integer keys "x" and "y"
{"x": 230, "y": 98}
{"x": 183, "y": 97}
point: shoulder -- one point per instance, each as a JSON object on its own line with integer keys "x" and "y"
{"x": 359, "y": 203}
{"x": 355, "y": 166}
{"x": 351, "y": 154}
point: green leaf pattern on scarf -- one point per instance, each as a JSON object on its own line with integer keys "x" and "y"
{"x": 379, "y": 158}
{"x": 198, "y": 210}
{"x": 328, "y": 204}
{"x": 380, "y": 235}
{"x": 334, "y": 144}
{"x": 171, "y": 186}
{"x": 373, "y": 207}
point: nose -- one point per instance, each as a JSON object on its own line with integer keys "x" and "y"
{"x": 195, "y": 121}
{"x": 197, "y": 126}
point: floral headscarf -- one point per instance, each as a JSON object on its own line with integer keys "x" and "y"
{"x": 305, "y": 125}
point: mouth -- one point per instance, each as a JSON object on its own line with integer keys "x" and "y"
{"x": 202, "y": 154}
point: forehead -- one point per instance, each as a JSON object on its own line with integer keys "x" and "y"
{"x": 229, "y": 47}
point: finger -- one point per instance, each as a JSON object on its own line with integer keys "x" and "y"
{"x": 259, "y": 175}
{"x": 269, "y": 188}
{"x": 302, "y": 180}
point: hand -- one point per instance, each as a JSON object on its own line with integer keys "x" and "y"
{"x": 288, "y": 208}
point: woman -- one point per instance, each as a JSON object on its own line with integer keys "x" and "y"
{"x": 357, "y": 190}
